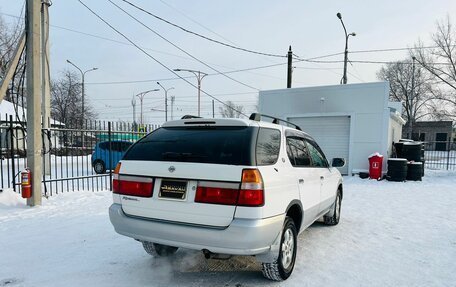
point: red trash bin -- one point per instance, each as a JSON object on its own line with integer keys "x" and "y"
{"x": 375, "y": 166}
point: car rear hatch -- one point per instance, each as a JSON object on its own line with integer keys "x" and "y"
{"x": 185, "y": 168}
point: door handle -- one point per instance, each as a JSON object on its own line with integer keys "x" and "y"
{"x": 301, "y": 180}
{"x": 322, "y": 177}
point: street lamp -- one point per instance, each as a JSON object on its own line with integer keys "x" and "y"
{"x": 133, "y": 103}
{"x": 199, "y": 76}
{"x": 141, "y": 98}
{"x": 82, "y": 85}
{"x": 166, "y": 99}
{"x": 344, "y": 77}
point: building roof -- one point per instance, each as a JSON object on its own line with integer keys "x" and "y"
{"x": 7, "y": 108}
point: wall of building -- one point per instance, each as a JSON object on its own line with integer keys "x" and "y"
{"x": 366, "y": 104}
{"x": 427, "y": 130}
{"x": 394, "y": 131}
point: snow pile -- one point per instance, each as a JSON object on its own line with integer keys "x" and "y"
{"x": 10, "y": 199}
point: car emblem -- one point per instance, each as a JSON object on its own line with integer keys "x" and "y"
{"x": 171, "y": 169}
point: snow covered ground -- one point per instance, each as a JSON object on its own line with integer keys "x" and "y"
{"x": 390, "y": 234}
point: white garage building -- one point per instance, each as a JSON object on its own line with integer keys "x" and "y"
{"x": 350, "y": 121}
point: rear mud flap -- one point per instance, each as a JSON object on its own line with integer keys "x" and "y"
{"x": 273, "y": 253}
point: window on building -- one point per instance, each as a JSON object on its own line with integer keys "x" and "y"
{"x": 422, "y": 137}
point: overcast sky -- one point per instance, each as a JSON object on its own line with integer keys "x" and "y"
{"x": 310, "y": 27}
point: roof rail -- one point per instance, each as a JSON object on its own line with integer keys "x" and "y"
{"x": 186, "y": 117}
{"x": 257, "y": 117}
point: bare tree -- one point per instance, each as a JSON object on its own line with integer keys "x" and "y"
{"x": 66, "y": 100}
{"x": 9, "y": 39}
{"x": 231, "y": 110}
{"x": 440, "y": 62}
{"x": 413, "y": 86}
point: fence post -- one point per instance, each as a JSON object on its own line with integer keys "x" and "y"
{"x": 13, "y": 167}
{"x": 110, "y": 156}
{"x": 448, "y": 153}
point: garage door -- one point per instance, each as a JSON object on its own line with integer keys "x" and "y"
{"x": 331, "y": 133}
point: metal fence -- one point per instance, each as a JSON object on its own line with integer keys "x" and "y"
{"x": 440, "y": 155}
{"x": 76, "y": 156}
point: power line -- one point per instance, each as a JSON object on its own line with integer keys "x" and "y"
{"x": 187, "y": 77}
{"x": 202, "y": 36}
{"x": 178, "y": 97}
{"x": 153, "y": 58}
{"x": 395, "y": 49}
{"x": 196, "y": 22}
{"x": 128, "y": 44}
{"x": 165, "y": 53}
{"x": 179, "y": 48}
{"x": 370, "y": 62}
{"x": 183, "y": 57}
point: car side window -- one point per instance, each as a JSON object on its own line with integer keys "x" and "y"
{"x": 290, "y": 152}
{"x": 317, "y": 156}
{"x": 297, "y": 152}
{"x": 116, "y": 146}
{"x": 268, "y": 146}
{"x": 104, "y": 145}
{"x": 125, "y": 146}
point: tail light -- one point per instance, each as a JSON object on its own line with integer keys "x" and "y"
{"x": 115, "y": 178}
{"x": 132, "y": 185}
{"x": 252, "y": 190}
{"x": 217, "y": 193}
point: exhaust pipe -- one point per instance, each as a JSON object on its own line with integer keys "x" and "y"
{"x": 218, "y": 256}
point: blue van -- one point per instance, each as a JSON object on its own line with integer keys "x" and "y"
{"x": 101, "y": 155}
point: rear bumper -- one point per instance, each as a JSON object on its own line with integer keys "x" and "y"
{"x": 241, "y": 237}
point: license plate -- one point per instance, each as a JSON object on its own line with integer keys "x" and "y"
{"x": 173, "y": 189}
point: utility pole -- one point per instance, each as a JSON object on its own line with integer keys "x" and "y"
{"x": 412, "y": 96}
{"x": 33, "y": 74}
{"x": 45, "y": 84}
{"x": 344, "y": 77}
{"x": 166, "y": 99}
{"x": 199, "y": 76}
{"x": 213, "y": 109}
{"x": 290, "y": 68}
{"x": 172, "y": 107}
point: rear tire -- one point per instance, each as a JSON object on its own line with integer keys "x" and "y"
{"x": 99, "y": 167}
{"x": 283, "y": 266}
{"x": 156, "y": 249}
{"x": 335, "y": 217}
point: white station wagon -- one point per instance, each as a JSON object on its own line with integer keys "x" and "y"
{"x": 226, "y": 187}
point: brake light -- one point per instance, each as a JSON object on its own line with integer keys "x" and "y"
{"x": 216, "y": 195}
{"x": 252, "y": 190}
{"x": 115, "y": 178}
{"x": 133, "y": 185}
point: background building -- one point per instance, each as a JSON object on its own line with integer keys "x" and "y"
{"x": 349, "y": 121}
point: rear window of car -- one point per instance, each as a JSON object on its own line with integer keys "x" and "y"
{"x": 217, "y": 145}
{"x": 268, "y": 146}
{"x": 115, "y": 146}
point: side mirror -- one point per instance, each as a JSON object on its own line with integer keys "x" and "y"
{"x": 338, "y": 162}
